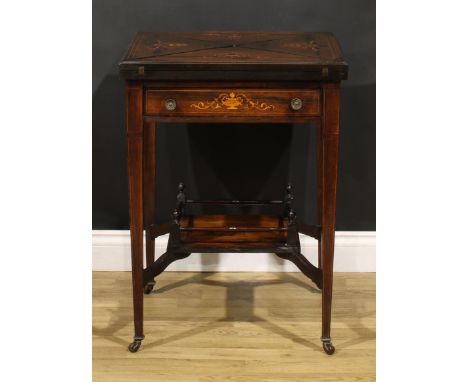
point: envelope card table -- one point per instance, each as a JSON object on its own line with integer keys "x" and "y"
{"x": 225, "y": 77}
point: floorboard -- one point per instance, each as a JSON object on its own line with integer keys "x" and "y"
{"x": 233, "y": 327}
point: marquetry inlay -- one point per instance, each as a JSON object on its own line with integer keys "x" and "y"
{"x": 232, "y": 101}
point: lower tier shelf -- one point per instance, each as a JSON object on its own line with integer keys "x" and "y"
{"x": 234, "y": 233}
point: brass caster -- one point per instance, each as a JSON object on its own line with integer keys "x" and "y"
{"x": 328, "y": 346}
{"x": 135, "y": 345}
{"x": 149, "y": 287}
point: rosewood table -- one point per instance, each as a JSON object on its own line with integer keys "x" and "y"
{"x": 231, "y": 77}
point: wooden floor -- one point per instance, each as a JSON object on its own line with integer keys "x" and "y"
{"x": 234, "y": 327}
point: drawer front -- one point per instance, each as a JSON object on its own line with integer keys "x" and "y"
{"x": 233, "y": 102}
{"x": 233, "y": 229}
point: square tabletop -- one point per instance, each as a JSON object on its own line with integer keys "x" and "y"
{"x": 234, "y": 55}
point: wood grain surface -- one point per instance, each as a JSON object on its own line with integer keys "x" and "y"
{"x": 234, "y": 55}
{"x": 234, "y": 228}
{"x": 231, "y": 102}
{"x": 233, "y": 327}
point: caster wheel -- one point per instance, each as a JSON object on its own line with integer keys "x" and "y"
{"x": 328, "y": 347}
{"x": 149, "y": 287}
{"x": 134, "y": 346}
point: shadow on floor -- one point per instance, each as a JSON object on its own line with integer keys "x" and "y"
{"x": 237, "y": 292}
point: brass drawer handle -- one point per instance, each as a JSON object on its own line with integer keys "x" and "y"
{"x": 170, "y": 104}
{"x": 296, "y": 104}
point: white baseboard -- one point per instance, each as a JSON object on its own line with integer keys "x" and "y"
{"x": 354, "y": 252}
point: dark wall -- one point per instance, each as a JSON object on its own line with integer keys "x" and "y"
{"x": 241, "y": 161}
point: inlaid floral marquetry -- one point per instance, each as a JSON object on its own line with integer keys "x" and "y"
{"x": 166, "y": 45}
{"x": 232, "y": 101}
{"x": 272, "y": 55}
{"x": 302, "y": 45}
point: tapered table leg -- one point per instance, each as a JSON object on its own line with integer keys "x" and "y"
{"x": 134, "y": 104}
{"x": 149, "y": 187}
{"x": 330, "y": 140}
{"x": 318, "y": 140}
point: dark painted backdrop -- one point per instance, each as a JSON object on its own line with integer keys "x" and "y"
{"x": 240, "y": 161}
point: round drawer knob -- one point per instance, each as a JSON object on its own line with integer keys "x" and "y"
{"x": 296, "y": 104}
{"x": 170, "y": 104}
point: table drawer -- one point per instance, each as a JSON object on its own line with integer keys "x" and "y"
{"x": 233, "y": 102}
